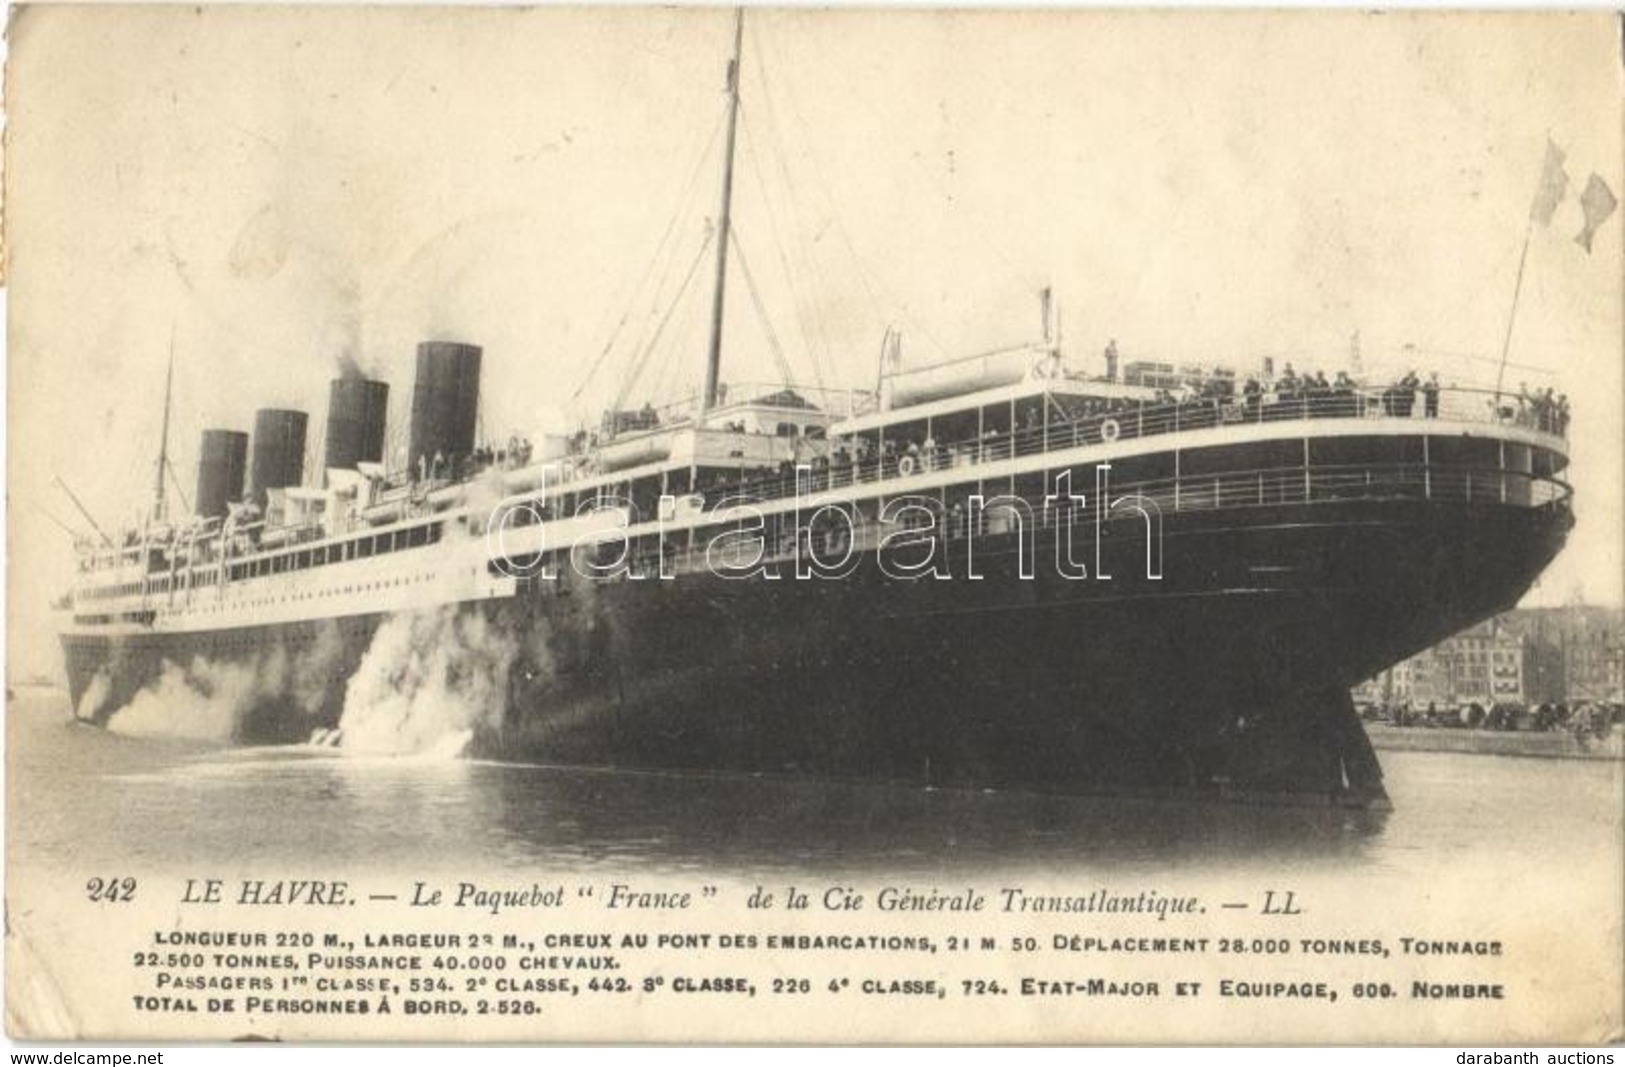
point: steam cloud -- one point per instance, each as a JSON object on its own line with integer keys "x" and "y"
{"x": 207, "y": 699}
{"x": 201, "y": 701}
{"x": 428, "y": 682}
{"x": 432, "y": 679}
{"x": 95, "y": 696}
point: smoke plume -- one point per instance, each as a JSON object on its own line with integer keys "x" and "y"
{"x": 350, "y": 368}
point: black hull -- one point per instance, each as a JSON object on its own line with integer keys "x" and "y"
{"x": 1227, "y": 677}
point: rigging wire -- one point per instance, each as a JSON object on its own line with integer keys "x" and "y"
{"x": 798, "y": 301}
{"x": 987, "y": 241}
{"x": 64, "y": 527}
{"x": 761, "y": 311}
{"x": 781, "y": 156}
{"x": 865, "y": 274}
{"x": 659, "y": 304}
{"x": 676, "y": 302}
{"x": 680, "y": 378}
{"x": 174, "y": 477}
{"x": 84, "y": 512}
{"x": 661, "y": 253}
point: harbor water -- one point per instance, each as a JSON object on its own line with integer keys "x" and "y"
{"x": 76, "y": 791}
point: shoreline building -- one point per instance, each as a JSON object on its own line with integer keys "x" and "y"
{"x": 1525, "y": 656}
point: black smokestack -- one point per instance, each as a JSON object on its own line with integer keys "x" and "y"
{"x": 445, "y": 403}
{"x": 221, "y": 467}
{"x": 279, "y": 450}
{"x": 357, "y": 410}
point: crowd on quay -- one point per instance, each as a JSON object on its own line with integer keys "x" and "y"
{"x": 1581, "y": 718}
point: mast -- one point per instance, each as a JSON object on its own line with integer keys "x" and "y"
{"x": 714, "y": 353}
{"x": 163, "y": 442}
{"x": 1512, "y": 316}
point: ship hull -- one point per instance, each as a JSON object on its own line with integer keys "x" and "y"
{"x": 1226, "y": 676}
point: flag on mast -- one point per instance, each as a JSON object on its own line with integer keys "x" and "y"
{"x": 1598, "y": 202}
{"x": 1554, "y": 182}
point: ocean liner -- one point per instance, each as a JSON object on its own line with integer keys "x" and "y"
{"x": 992, "y": 571}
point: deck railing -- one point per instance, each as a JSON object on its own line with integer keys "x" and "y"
{"x": 1099, "y": 421}
{"x": 1234, "y": 490}
{"x": 1128, "y": 421}
{"x": 1131, "y": 419}
{"x": 1333, "y": 484}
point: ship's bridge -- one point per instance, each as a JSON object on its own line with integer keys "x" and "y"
{"x": 761, "y": 426}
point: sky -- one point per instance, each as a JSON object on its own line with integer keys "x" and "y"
{"x": 267, "y": 192}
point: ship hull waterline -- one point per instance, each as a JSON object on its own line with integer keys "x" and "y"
{"x": 1227, "y": 677}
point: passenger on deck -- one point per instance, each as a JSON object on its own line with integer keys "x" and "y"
{"x": 1345, "y": 404}
{"x": 1251, "y": 395}
{"x": 1400, "y": 398}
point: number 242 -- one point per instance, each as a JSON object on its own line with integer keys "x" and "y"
{"x": 111, "y": 890}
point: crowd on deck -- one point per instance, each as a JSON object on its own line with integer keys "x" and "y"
{"x": 515, "y": 455}
{"x": 1216, "y": 400}
{"x": 1541, "y": 410}
{"x": 1291, "y": 395}
{"x": 512, "y": 455}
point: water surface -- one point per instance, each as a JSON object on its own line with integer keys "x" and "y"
{"x": 76, "y": 790}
